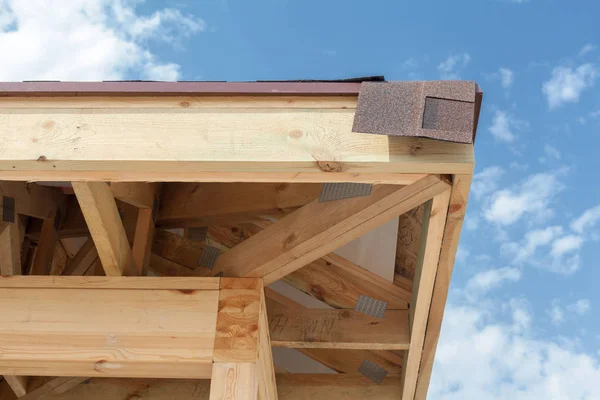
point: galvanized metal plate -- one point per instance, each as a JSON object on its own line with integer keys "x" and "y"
{"x": 209, "y": 256}
{"x": 370, "y": 306}
{"x": 344, "y": 190}
{"x": 372, "y": 371}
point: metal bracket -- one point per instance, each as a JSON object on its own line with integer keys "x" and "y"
{"x": 372, "y": 371}
{"x": 339, "y": 191}
{"x": 370, "y": 306}
{"x": 9, "y": 212}
{"x": 209, "y": 256}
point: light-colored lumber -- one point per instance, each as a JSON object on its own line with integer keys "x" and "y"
{"x": 265, "y": 368}
{"x": 104, "y": 222}
{"x": 456, "y": 213}
{"x": 202, "y": 204}
{"x": 230, "y": 144}
{"x": 18, "y": 384}
{"x": 32, "y": 199}
{"x": 138, "y": 194}
{"x": 432, "y": 233}
{"x": 44, "y": 255}
{"x": 319, "y": 228}
{"x": 106, "y": 332}
{"x": 142, "y": 242}
{"x": 163, "y": 267}
{"x": 409, "y": 232}
{"x": 289, "y": 386}
{"x": 10, "y": 250}
{"x": 50, "y": 388}
{"x": 179, "y": 250}
{"x": 109, "y": 282}
{"x": 73, "y": 224}
{"x": 233, "y": 381}
{"x": 338, "y": 329}
{"x": 82, "y": 260}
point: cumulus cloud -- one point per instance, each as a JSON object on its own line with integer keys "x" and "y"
{"x": 451, "y": 67}
{"x": 486, "y": 181}
{"x": 587, "y": 220}
{"x": 504, "y": 126}
{"x": 566, "y": 84}
{"x": 559, "y": 314}
{"x": 88, "y": 40}
{"x": 530, "y": 197}
{"x": 492, "y": 278}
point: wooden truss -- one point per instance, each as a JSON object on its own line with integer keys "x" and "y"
{"x": 241, "y": 176}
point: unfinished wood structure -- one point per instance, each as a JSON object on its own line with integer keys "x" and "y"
{"x": 142, "y": 223}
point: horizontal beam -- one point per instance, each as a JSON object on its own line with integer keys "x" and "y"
{"x": 274, "y": 142}
{"x": 125, "y": 326}
{"x": 338, "y": 329}
{"x": 32, "y": 199}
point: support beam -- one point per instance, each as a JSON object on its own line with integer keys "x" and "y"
{"x": 319, "y": 228}
{"x": 138, "y": 194}
{"x": 42, "y": 263}
{"x": 432, "y": 233}
{"x": 43, "y": 388}
{"x": 83, "y": 260}
{"x": 18, "y": 384}
{"x": 31, "y": 199}
{"x": 10, "y": 250}
{"x": 202, "y": 204}
{"x": 101, "y": 214}
{"x": 142, "y": 242}
{"x": 265, "y": 368}
{"x": 233, "y": 381}
{"x": 338, "y": 329}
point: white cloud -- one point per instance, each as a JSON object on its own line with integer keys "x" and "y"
{"x": 492, "y": 278}
{"x": 565, "y": 245}
{"x": 451, "y": 67}
{"x": 587, "y": 220}
{"x": 504, "y": 125}
{"x": 556, "y": 313}
{"x": 551, "y": 152}
{"x": 531, "y": 197}
{"x": 87, "y": 40}
{"x": 506, "y": 77}
{"x": 486, "y": 181}
{"x": 567, "y": 84}
{"x": 587, "y": 49}
{"x": 580, "y": 307}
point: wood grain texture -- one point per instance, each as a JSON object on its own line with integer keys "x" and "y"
{"x": 409, "y": 231}
{"x": 203, "y": 204}
{"x": 265, "y": 368}
{"x": 143, "y": 239}
{"x": 179, "y": 250}
{"x": 111, "y": 144}
{"x": 138, "y": 194}
{"x": 108, "y": 282}
{"x": 107, "y": 332}
{"x": 456, "y": 213}
{"x": 83, "y": 259}
{"x": 44, "y": 255}
{"x": 338, "y": 329}
{"x": 434, "y": 221}
{"x": 104, "y": 222}
{"x": 319, "y": 228}
{"x": 32, "y": 199}
{"x": 231, "y": 381}
{"x": 10, "y": 250}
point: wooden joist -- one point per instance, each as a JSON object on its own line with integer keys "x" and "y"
{"x": 31, "y": 199}
{"x": 17, "y": 383}
{"x": 44, "y": 255}
{"x": 10, "y": 249}
{"x": 46, "y": 388}
{"x": 138, "y": 194}
{"x": 103, "y": 219}
{"x": 319, "y": 228}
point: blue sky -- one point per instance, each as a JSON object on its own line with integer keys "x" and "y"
{"x": 521, "y": 320}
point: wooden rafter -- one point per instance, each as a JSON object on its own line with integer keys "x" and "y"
{"x": 318, "y": 228}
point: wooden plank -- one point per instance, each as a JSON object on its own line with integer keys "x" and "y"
{"x": 454, "y": 221}
{"x": 338, "y": 329}
{"x": 18, "y": 384}
{"x": 138, "y": 194}
{"x": 73, "y": 224}
{"x": 265, "y": 368}
{"x": 146, "y": 143}
{"x": 104, "y": 221}
{"x": 6, "y": 392}
{"x": 233, "y": 381}
{"x": 10, "y": 250}
{"x": 203, "y": 204}
{"x": 142, "y": 242}
{"x": 44, "y": 255}
{"x": 319, "y": 228}
{"x": 179, "y": 250}
{"x": 434, "y": 221}
{"x": 409, "y": 232}
{"x": 163, "y": 267}
{"x": 50, "y": 388}
{"x": 290, "y": 387}
{"x": 109, "y": 282}
{"x": 32, "y": 199}
{"x": 107, "y": 332}
{"x": 83, "y": 260}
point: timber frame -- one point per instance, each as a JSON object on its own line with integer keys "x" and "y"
{"x": 97, "y": 287}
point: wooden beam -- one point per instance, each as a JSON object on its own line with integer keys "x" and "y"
{"x": 10, "y": 250}
{"x": 163, "y": 267}
{"x": 203, "y": 204}
{"x": 233, "y": 381}
{"x": 179, "y": 250}
{"x": 44, "y": 255}
{"x": 83, "y": 260}
{"x": 319, "y": 228}
{"x": 104, "y": 221}
{"x": 112, "y": 326}
{"x": 432, "y": 233}
{"x": 18, "y": 384}
{"x": 338, "y": 329}
{"x": 138, "y": 194}
{"x": 6, "y": 392}
{"x": 142, "y": 242}
{"x": 289, "y": 387}
{"x": 73, "y": 224}
{"x": 456, "y": 213}
{"x": 32, "y": 199}
{"x": 48, "y": 388}
{"x": 409, "y": 233}
{"x": 265, "y": 368}
{"x": 136, "y": 143}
